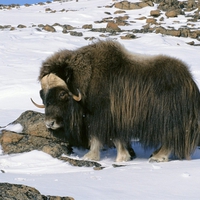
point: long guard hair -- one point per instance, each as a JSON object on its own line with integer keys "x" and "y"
{"x": 128, "y": 96}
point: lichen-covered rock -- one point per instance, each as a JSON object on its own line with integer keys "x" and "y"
{"x": 34, "y": 136}
{"x": 172, "y": 13}
{"x": 49, "y": 28}
{"x": 75, "y": 33}
{"x": 128, "y": 37}
{"x": 151, "y": 20}
{"x": 112, "y": 27}
{"x": 21, "y": 26}
{"x": 21, "y": 192}
{"x": 155, "y": 13}
{"x": 87, "y": 26}
{"x": 131, "y": 6}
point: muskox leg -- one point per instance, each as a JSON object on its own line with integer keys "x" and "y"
{"x": 94, "y": 153}
{"x": 160, "y": 155}
{"x": 131, "y": 152}
{"x": 122, "y": 152}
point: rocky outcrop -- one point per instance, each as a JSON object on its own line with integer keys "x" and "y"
{"x": 21, "y": 192}
{"x": 35, "y": 136}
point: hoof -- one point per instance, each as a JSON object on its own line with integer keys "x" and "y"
{"x": 158, "y": 159}
{"x": 91, "y": 156}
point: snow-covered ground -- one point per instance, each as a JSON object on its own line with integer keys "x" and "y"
{"x": 21, "y": 54}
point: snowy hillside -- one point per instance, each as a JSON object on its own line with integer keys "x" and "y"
{"x": 22, "y": 51}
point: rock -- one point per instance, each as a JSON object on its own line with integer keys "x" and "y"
{"x": 101, "y": 30}
{"x": 49, "y": 28}
{"x": 103, "y": 35}
{"x": 194, "y": 34}
{"x": 119, "y": 12}
{"x": 191, "y": 4}
{"x": 161, "y": 30}
{"x": 21, "y": 26}
{"x": 27, "y": 5}
{"x": 108, "y": 13}
{"x": 21, "y": 192}
{"x": 173, "y": 32}
{"x": 10, "y": 137}
{"x": 184, "y": 32}
{"x": 75, "y": 33}
{"x": 144, "y": 4}
{"x": 141, "y": 18}
{"x": 33, "y": 123}
{"x": 121, "y": 21}
{"x": 151, "y": 21}
{"x": 7, "y": 26}
{"x": 131, "y": 6}
{"x": 168, "y": 5}
{"x": 41, "y": 3}
{"x": 40, "y": 25}
{"x": 89, "y": 38}
{"x": 81, "y": 163}
{"x": 87, "y": 26}
{"x": 34, "y": 136}
{"x": 128, "y": 37}
{"x": 155, "y": 13}
{"x": 161, "y": 19}
{"x": 191, "y": 43}
{"x": 47, "y": 9}
{"x": 12, "y": 28}
{"x": 112, "y": 27}
{"x": 68, "y": 27}
{"x": 57, "y": 24}
{"x": 63, "y": 10}
{"x": 171, "y": 13}
{"x": 123, "y": 5}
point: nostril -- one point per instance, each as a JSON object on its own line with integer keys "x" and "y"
{"x": 52, "y": 123}
{"x": 49, "y": 124}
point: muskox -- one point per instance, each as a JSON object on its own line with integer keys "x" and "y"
{"x": 104, "y": 94}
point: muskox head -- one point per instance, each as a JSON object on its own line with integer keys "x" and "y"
{"x": 58, "y": 101}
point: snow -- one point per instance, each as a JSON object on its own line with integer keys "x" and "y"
{"x": 13, "y": 127}
{"x": 21, "y": 54}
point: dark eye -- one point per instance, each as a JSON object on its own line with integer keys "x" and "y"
{"x": 62, "y": 95}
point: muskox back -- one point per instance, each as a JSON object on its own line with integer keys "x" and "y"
{"x": 127, "y": 96}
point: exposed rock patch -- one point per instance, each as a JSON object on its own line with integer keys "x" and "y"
{"x": 21, "y": 192}
{"x": 112, "y": 26}
{"x": 155, "y": 13}
{"x": 49, "y": 28}
{"x": 35, "y": 136}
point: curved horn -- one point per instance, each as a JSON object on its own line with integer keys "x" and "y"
{"x": 77, "y": 98}
{"x": 37, "y": 105}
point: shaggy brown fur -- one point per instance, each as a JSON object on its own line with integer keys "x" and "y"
{"x": 126, "y": 96}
